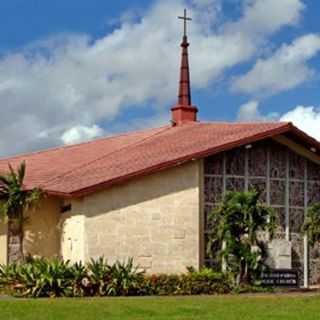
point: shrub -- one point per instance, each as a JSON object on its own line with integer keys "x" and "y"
{"x": 234, "y": 235}
{"x": 205, "y": 281}
{"x": 39, "y": 278}
{"x": 55, "y": 278}
{"x": 124, "y": 279}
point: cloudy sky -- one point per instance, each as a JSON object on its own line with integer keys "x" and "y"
{"x": 79, "y": 69}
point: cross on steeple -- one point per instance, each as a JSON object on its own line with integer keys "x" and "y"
{"x": 184, "y": 111}
{"x": 185, "y": 19}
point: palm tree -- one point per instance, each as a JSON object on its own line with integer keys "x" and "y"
{"x": 14, "y": 201}
{"x": 234, "y": 234}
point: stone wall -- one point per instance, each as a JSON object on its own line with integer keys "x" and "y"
{"x": 3, "y": 243}
{"x": 42, "y": 229}
{"x": 154, "y": 219}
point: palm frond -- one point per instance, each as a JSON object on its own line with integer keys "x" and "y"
{"x": 21, "y": 172}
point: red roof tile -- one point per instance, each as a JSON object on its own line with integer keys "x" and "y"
{"x": 80, "y": 169}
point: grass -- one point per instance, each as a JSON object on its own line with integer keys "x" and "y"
{"x": 205, "y": 307}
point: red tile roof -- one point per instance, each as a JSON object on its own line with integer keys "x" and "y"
{"x": 80, "y": 169}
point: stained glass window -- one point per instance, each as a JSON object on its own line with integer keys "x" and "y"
{"x": 213, "y": 165}
{"x": 235, "y": 184}
{"x": 296, "y": 193}
{"x": 313, "y": 171}
{"x": 213, "y": 189}
{"x": 296, "y": 220}
{"x": 257, "y": 159}
{"x": 313, "y": 192}
{"x": 278, "y": 161}
{"x": 277, "y": 192}
{"x": 235, "y": 162}
{"x": 286, "y": 170}
{"x": 296, "y": 166}
{"x": 207, "y": 211}
{"x": 259, "y": 185}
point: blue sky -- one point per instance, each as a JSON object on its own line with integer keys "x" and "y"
{"x": 76, "y": 70}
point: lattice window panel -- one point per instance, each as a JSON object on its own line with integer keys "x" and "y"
{"x": 214, "y": 164}
{"x": 296, "y": 166}
{"x": 277, "y": 192}
{"x": 296, "y": 218}
{"x": 283, "y": 164}
{"x": 259, "y": 185}
{"x": 278, "y": 160}
{"x": 235, "y": 164}
{"x": 296, "y": 194}
{"x": 213, "y": 190}
{"x": 235, "y": 184}
{"x": 257, "y": 160}
{"x": 313, "y": 171}
{"x": 313, "y": 192}
{"x": 207, "y": 212}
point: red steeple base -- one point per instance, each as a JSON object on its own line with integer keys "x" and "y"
{"x": 182, "y": 114}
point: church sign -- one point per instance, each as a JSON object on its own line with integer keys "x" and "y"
{"x": 280, "y": 278}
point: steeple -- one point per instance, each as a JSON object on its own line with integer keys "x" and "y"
{"x": 184, "y": 111}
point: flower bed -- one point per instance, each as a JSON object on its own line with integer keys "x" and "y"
{"x": 56, "y": 278}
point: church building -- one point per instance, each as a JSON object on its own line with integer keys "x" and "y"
{"x": 147, "y": 194}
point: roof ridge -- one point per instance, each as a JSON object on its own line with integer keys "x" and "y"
{"x": 244, "y": 122}
{"x": 164, "y": 128}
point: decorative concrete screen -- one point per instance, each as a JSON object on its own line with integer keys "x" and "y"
{"x": 287, "y": 181}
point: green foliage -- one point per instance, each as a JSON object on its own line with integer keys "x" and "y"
{"x": 39, "y": 278}
{"x": 15, "y": 200}
{"x": 124, "y": 279}
{"x": 233, "y": 237}
{"x": 98, "y": 273}
{"x": 55, "y": 278}
{"x": 205, "y": 281}
{"x": 311, "y": 225}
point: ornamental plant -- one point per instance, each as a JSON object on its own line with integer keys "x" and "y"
{"x": 311, "y": 225}
{"x": 15, "y": 200}
{"x": 55, "y": 278}
{"x": 234, "y": 235}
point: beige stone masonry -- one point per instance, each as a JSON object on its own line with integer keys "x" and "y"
{"x": 42, "y": 229}
{"x": 154, "y": 219}
{"x": 3, "y": 243}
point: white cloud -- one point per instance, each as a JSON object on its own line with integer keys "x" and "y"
{"x": 79, "y": 134}
{"x": 268, "y": 16}
{"x": 306, "y": 119}
{"x": 284, "y": 70}
{"x": 250, "y": 112}
{"x": 70, "y": 81}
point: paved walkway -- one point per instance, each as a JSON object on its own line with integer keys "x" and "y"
{"x": 5, "y": 297}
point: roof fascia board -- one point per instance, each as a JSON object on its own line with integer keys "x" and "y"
{"x": 298, "y": 148}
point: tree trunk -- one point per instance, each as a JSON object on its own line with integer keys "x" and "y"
{"x": 15, "y": 241}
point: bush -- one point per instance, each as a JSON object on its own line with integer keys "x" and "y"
{"x": 205, "y": 281}
{"x": 40, "y": 278}
{"x": 55, "y": 278}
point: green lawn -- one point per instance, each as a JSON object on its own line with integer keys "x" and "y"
{"x": 222, "y": 307}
